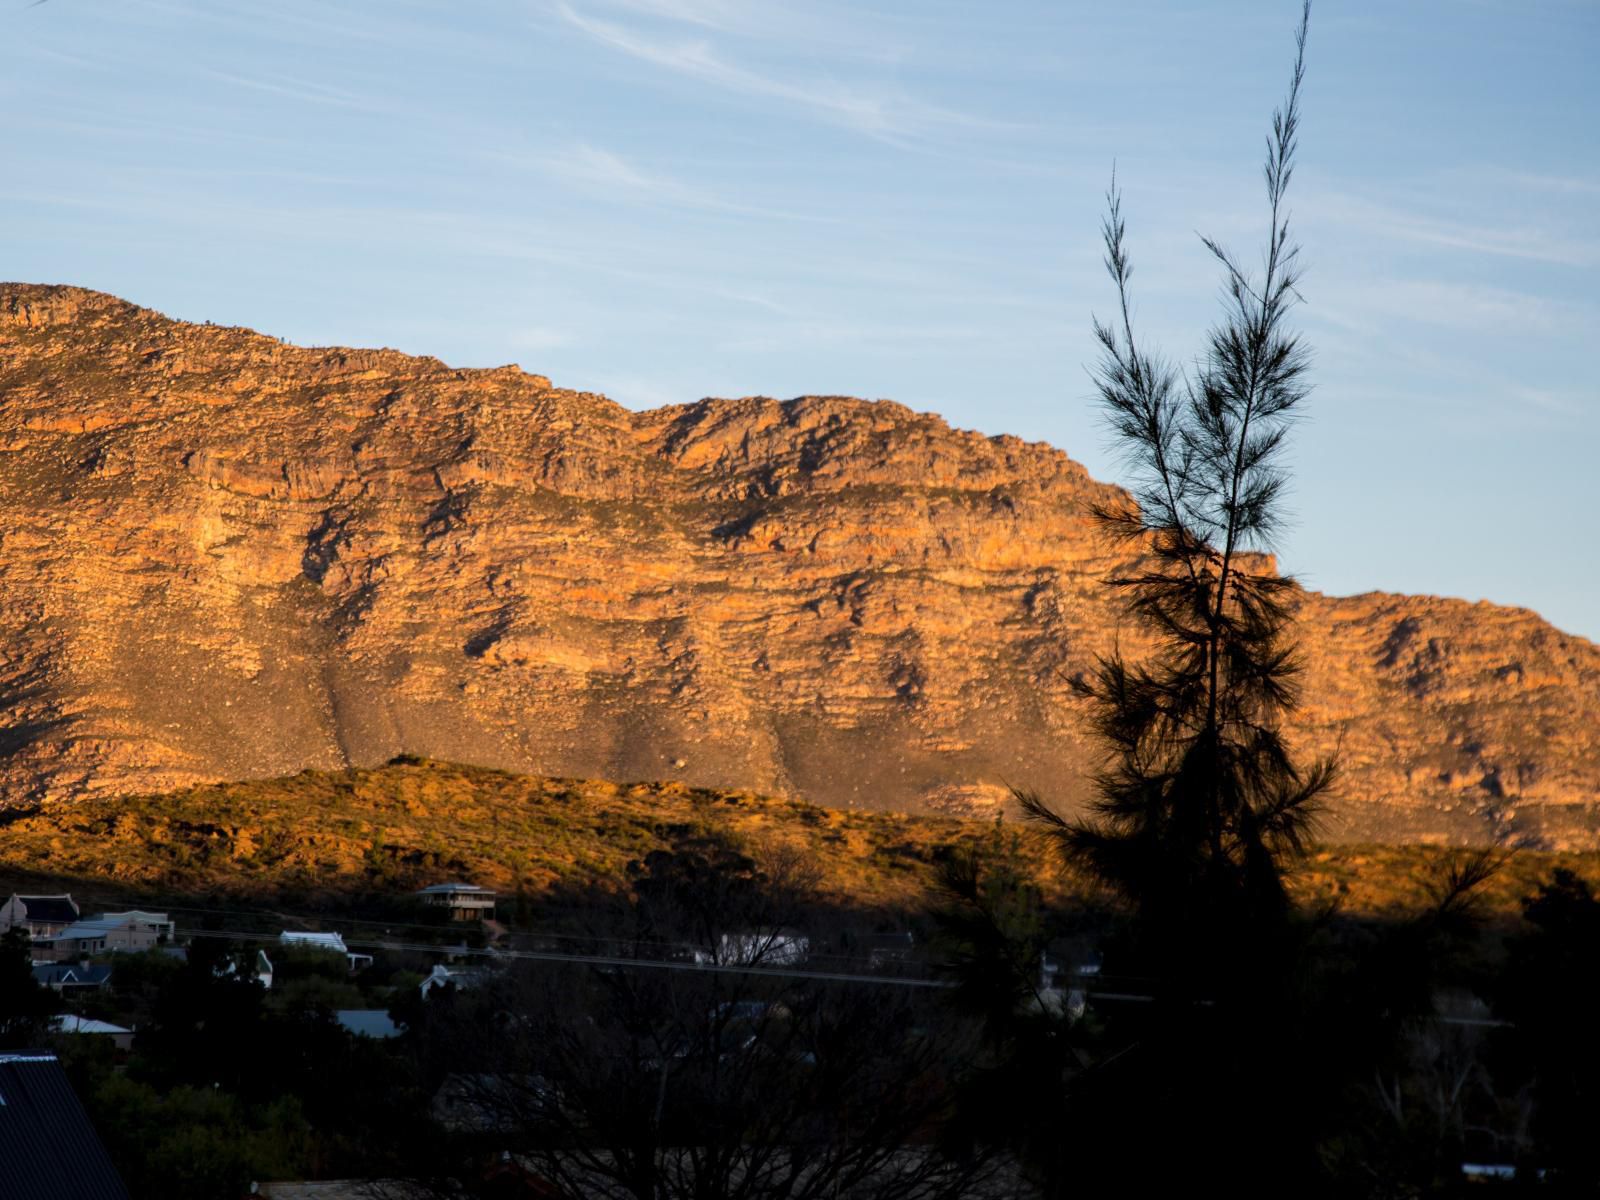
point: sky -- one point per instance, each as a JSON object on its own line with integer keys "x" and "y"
{"x": 670, "y": 199}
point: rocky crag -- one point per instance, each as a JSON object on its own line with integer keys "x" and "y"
{"x": 225, "y": 557}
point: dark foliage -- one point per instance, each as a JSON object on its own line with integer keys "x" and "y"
{"x": 1553, "y": 1045}
{"x": 709, "y": 1072}
{"x": 25, "y": 1007}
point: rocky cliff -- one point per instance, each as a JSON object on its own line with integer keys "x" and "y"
{"x": 224, "y": 557}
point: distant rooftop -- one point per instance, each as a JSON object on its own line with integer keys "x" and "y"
{"x": 69, "y": 1023}
{"x": 66, "y": 974}
{"x": 93, "y": 928}
{"x": 53, "y": 910}
{"x": 325, "y": 941}
{"x": 441, "y": 889}
{"x": 133, "y": 914}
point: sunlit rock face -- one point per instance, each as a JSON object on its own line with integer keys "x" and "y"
{"x": 222, "y": 557}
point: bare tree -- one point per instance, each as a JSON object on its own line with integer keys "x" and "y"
{"x": 660, "y": 1076}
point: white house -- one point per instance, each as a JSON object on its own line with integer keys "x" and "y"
{"x": 104, "y": 934}
{"x": 331, "y": 942}
{"x": 120, "y": 1037}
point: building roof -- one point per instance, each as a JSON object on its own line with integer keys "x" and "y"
{"x": 68, "y": 974}
{"x": 53, "y": 910}
{"x": 137, "y": 915}
{"x": 367, "y": 1022}
{"x": 69, "y": 1023}
{"x": 322, "y": 941}
{"x": 49, "y": 1148}
{"x": 446, "y": 889}
{"x": 96, "y": 927}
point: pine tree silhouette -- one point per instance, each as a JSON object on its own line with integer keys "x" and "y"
{"x": 1202, "y": 800}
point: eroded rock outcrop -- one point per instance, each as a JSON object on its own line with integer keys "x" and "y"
{"x": 222, "y": 556}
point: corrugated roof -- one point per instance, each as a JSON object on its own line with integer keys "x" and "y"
{"x": 99, "y": 927}
{"x": 325, "y": 941}
{"x": 134, "y": 914}
{"x": 48, "y": 1148}
{"x": 70, "y": 1023}
{"x": 439, "y": 889}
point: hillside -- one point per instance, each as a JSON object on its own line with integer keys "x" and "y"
{"x": 327, "y": 837}
{"x": 223, "y": 557}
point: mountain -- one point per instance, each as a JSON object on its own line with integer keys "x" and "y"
{"x": 225, "y": 557}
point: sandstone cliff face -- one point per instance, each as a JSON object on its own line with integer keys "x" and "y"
{"x": 224, "y": 557}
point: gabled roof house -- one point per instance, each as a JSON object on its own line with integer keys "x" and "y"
{"x": 41, "y": 916}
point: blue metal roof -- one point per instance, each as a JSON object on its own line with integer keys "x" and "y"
{"x": 48, "y": 1148}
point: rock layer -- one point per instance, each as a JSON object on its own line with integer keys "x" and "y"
{"x": 226, "y": 557}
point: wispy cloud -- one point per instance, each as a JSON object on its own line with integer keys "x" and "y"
{"x": 887, "y": 114}
{"x": 1474, "y": 308}
{"x": 609, "y": 174}
{"x": 541, "y": 339}
{"x": 1560, "y": 184}
{"x": 305, "y": 91}
{"x": 726, "y": 16}
{"x": 1534, "y": 244}
{"x": 1558, "y": 402}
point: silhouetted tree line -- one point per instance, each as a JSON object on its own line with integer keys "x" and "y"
{"x": 698, "y": 1075}
{"x": 655, "y": 1074}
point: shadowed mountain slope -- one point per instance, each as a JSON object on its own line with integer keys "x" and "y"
{"x": 357, "y": 838}
{"x": 225, "y": 557}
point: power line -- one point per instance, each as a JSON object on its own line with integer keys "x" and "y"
{"x": 602, "y": 960}
{"x": 315, "y": 919}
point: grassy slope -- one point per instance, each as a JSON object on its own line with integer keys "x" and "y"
{"x": 333, "y": 834}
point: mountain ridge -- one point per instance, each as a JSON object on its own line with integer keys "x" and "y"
{"x": 228, "y": 557}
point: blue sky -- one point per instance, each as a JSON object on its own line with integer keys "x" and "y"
{"x": 669, "y": 199}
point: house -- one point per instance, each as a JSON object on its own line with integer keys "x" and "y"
{"x": 41, "y": 916}
{"x": 49, "y": 1149}
{"x": 333, "y": 943}
{"x": 121, "y": 1038}
{"x": 466, "y": 901}
{"x": 107, "y": 933}
{"x": 164, "y": 929}
{"x": 71, "y": 977}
